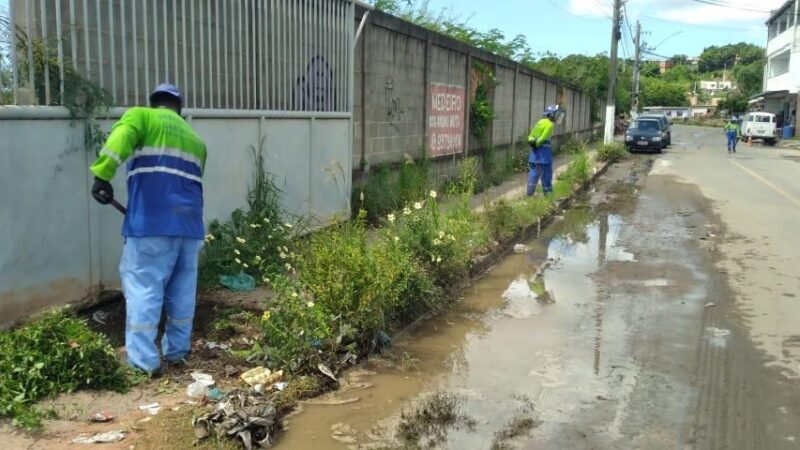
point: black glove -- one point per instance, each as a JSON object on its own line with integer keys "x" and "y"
{"x": 102, "y": 191}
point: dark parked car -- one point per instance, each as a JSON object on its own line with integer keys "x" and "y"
{"x": 645, "y": 134}
{"x": 666, "y": 124}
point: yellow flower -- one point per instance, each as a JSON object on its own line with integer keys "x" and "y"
{"x": 245, "y": 265}
{"x": 391, "y": 218}
{"x": 240, "y": 240}
{"x": 441, "y": 235}
{"x": 418, "y": 205}
{"x": 266, "y": 220}
{"x": 438, "y": 259}
{"x": 265, "y": 317}
{"x": 236, "y": 251}
{"x": 209, "y": 238}
{"x": 433, "y": 194}
{"x": 436, "y": 241}
{"x": 397, "y": 239}
{"x": 254, "y": 225}
{"x": 294, "y": 295}
{"x": 282, "y": 255}
{"x": 310, "y": 304}
{"x": 288, "y": 266}
{"x": 258, "y": 258}
{"x": 238, "y": 261}
{"x": 265, "y": 279}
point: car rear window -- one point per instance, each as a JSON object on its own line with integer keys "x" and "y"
{"x": 764, "y": 119}
{"x": 646, "y": 125}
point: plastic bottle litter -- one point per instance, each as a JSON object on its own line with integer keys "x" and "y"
{"x": 521, "y": 248}
{"x": 201, "y": 385}
{"x": 100, "y": 438}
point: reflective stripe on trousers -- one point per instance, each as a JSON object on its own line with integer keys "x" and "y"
{"x": 158, "y": 273}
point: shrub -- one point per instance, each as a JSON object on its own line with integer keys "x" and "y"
{"x": 577, "y": 169}
{"x": 611, "y": 152}
{"x": 571, "y": 146}
{"x": 500, "y": 219}
{"x": 255, "y": 241}
{"x": 387, "y": 190}
{"x": 53, "y": 354}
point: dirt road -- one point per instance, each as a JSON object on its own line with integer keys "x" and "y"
{"x": 659, "y": 313}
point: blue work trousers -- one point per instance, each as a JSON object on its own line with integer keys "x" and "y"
{"x": 542, "y": 172}
{"x": 732, "y": 138}
{"x": 158, "y": 273}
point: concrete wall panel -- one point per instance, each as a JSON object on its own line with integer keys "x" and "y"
{"x": 503, "y": 106}
{"x": 522, "y": 123}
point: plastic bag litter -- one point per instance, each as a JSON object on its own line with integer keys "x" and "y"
{"x": 240, "y": 282}
{"x": 100, "y": 438}
{"x": 102, "y": 416}
{"x": 247, "y": 418}
{"x": 152, "y": 408}
{"x": 200, "y": 386}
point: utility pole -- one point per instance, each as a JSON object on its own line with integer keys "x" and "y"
{"x": 636, "y": 63}
{"x": 608, "y": 136}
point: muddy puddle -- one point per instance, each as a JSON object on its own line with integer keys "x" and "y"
{"x": 531, "y": 345}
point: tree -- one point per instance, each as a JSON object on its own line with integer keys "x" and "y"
{"x": 649, "y": 69}
{"x": 680, "y": 59}
{"x": 681, "y": 73}
{"x": 727, "y": 56}
{"x": 657, "y": 92}
{"x": 734, "y": 103}
{"x": 749, "y": 77}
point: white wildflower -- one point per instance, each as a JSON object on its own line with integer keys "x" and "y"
{"x": 245, "y": 265}
{"x": 433, "y": 194}
{"x": 418, "y": 205}
{"x": 310, "y": 304}
{"x": 237, "y": 251}
{"x": 390, "y": 217}
{"x": 406, "y": 211}
{"x": 240, "y": 240}
{"x": 238, "y": 261}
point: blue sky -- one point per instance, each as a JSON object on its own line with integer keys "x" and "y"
{"x": 584, "y": 26}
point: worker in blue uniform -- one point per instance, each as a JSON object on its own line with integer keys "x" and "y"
{"x": 163, "y": 227}
{"x": 732, "y": 134}
{"x": 540, "y": 159}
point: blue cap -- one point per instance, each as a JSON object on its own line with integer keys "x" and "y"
{"x": 166, "y": 88}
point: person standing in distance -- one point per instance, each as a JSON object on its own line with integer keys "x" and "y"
{"x": 732, "y": 134}
{"x": 540, "y": 159}
{"x": 163, "y": 228}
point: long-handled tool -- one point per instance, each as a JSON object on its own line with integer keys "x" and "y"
{"x": 118, "y": 207}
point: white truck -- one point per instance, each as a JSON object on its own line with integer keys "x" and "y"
{"x": 760, "y": 125}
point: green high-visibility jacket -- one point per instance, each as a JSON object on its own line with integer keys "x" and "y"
{"x": 541, "y": 132}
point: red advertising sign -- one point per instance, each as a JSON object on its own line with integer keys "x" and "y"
{"x": 446, "y": 120}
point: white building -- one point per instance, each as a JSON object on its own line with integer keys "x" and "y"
{"x": 715, "y": 86}
{"x": 782, "y": 70}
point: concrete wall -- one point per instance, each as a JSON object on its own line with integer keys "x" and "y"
{"x": 60, "y": 246}
{"x": 397, "y": 62}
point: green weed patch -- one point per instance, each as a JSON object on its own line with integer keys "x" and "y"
{"x": 53, "y": 354}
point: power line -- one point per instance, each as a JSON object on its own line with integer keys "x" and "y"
{"x": 721, "y": 4}
{"x": 701, "y": 25}
{"x": 574, "y": 15}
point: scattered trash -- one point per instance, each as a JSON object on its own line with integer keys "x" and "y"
{"x": 100, "y": 438}
{"x": 152, "y": 408}
{"x": 240, "y": 282}
{"x": 261, "y": 375}
{"x": 214, "y": 394}
{"x": 258, "y": 388}
{"x": 327, "y": 372}
{"x": 231, "y": 371}
{"x": 213, "y": 345}
{"x": 102, "y": 416}
{"x": 384, "y": 340}
{"x": 522, "y": 248}
{"x": 100, "y": 317}
{"x": 710, "y": 304}
{"x": 201, "y": 385}
{"x": 279, "y": 386}
{"x": 249, "y": 419}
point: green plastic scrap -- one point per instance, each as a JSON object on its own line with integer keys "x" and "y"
{"x": 240, "y": 282}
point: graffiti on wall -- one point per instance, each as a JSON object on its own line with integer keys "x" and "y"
{"x": 446, "y": 119}
{"x": 394, "y": 109}
{"x": 314, "y": 90}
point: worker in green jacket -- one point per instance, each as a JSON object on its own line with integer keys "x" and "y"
{"x": 732, "y": 133}
{"x": 540, "y": 159}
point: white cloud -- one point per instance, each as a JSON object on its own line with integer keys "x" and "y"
{"x": 591, "y": 8}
